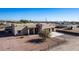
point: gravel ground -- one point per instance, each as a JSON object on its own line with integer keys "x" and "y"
{"x": 20, "y": 43}
{"x": 72, "y": 44}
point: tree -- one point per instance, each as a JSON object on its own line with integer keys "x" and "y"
{"x": 44, "y": 34}
{"x": 26, "y": 21}
{"x": 22, "y": 21}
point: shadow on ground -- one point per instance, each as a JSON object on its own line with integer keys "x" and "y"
{"x": 36, "y": 41}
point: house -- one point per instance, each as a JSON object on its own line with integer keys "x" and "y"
{"x": 30, "y": 28}
{"x": 9, "y": 29}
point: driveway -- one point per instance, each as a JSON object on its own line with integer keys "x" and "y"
{"x": 72, "y": 44}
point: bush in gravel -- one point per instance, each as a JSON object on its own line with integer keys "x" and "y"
{"x": 44, "y": 34}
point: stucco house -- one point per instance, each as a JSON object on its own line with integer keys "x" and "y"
{"x": 29, "y": 28}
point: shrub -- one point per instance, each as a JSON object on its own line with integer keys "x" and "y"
{"x": 44, "y": 34}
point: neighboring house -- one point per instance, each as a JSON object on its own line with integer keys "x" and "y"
{"x": 33, "y": 28}
{"x": 28, "y": 28}
{"x": 25, "y": 28}
{"x": 72, "y": 26}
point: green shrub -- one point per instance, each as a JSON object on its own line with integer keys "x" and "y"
{"x": 44, "y": 34}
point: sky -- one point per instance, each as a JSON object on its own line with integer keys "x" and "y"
{"x": 40, "y": 14}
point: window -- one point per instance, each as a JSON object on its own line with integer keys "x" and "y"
{"x": 19, "y": 31}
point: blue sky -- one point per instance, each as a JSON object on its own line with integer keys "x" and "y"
{"x": 40, "y": 14}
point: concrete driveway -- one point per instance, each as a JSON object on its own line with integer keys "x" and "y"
{"x": 72, "y": 44}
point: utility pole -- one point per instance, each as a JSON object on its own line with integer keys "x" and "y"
{"x": 46, "y": 19}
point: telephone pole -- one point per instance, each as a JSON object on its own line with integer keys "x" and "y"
{"x": 46, "y": 19}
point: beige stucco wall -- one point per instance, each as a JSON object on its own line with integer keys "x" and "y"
{"x": 23, "y": 27}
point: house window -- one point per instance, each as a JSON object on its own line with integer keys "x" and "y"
{"x": 19, "y": 31}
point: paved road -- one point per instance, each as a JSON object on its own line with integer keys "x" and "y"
{"x": 72, "y": 44}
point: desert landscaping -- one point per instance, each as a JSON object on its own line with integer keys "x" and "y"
{"x": 21, "y": 43}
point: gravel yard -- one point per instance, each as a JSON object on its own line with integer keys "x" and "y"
{"x": 20, "y": 43}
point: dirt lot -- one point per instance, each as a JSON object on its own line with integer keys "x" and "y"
{"x": 20, "y": 43}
